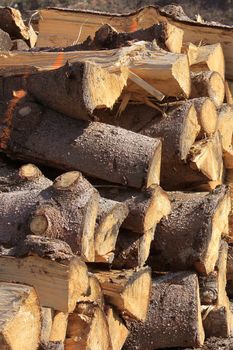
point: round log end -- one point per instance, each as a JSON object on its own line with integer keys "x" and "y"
{"x": 39, "y": 224}
{"x": 29, "y": 172}
{"x": 207, "y": 116}
{"x": 65, "y": 181}
{"x": 216, "y": 88}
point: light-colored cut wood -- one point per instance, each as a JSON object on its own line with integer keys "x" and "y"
{"x": 225, "y": 127}
{"x": 94, "y": 293}
{"x": 117, "y": 329}
{"x": 59, "y": 327}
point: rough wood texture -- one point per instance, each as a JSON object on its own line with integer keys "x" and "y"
{"x": 208, "y": 84}
{"x": 19, "y": 317}
{"x": 5, "y": 41}
{"x": 213, "y": 286}
{"x": 68, "y": 211}
{"x": 117, "y": 329}
{"x": 217, "y": 322}
{"x": 225, "y": 127}
{"x": 95, "y": 149}
{"x": 127, "y": 290}
{"x": 190, "y": 236}
{"x": 59, "y": 327}
{"x": 75, "y": 90}
{"x": 46, "y": 325}
{"x": 146, "y": 208}
{"x": 58, "y": 277}
{"x": 94, "y": 293}
{"x": 132, "y": 249}
{"x": 229, "y": 182}
{"x": 110, "y": 216}
{"x": 207, "y": 115}
{"x": 87, "y": 328}
{"x": 174, "y": 316}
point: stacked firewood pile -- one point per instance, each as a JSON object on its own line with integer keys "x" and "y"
{"x": 122, "y": 238}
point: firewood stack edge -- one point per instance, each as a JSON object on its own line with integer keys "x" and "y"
{"x": 116, "y": 180}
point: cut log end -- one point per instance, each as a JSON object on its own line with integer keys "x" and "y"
{"x": 65, "y": 181}
{"x": 29, "y": 171}
{"x": 207, "y": 116}
{"x": 39, "y": 224}
{"x": 181, "y": 73}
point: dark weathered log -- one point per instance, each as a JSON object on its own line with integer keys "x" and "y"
{"x": 110, "y": 216}
{"x": 190, "y": 236}
{"x": 127, "y": 290}
{"x": 58, "y": 276}
{"x": 117, "y": 329}
{"x": 174, "y": 316}
{"x": 132, "y": 249}
{"x": 96, "y": 149}
{"x": 74, "y": 88}
{"x": 208, "y": 84}
{"x": 146, "y": 208}
{"x": 68, "y": 210}
{"x": 87, "y": 327}
{"x": 5, "y": 41}
{"x": 213, "y": 286}
{"x": 59, "y": 327}
{"x": 217, "y": 321}
{"x": 20, "y": 312}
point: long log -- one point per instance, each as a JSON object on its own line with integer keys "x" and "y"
{"x": 96, "y": 149}
{"x": 68, "y": 211}
{"x": 146, "y": 208}
{"x": 174, "y": 316}
{"x": 225, "y": 127}
{"x": 58, "y": 276}
{"x": 20, "y": 312}
{"x": 190, "y": 236}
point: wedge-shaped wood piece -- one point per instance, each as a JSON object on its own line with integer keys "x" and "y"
{"x": 205, "y": 58}
{"x": 225, "y": 127}
{"x": 58, "y": 276}
{"x": 5, "y": 41}
{"x": 208, "y": 84}
{"x": 174, "y": 316}
{"x": 94, "y": 293}
{"x": 127, "y": 290}
{"x": 207, "y": 115}
{"x": 117, "y": 329}
{"x": 190, "y": 236}
{"x": 20, "y": 317}
{"x": 213, "y": 286}
{"x": 95, "y": 149}
{"x": 68, "y": 211}
{"x": 146, "y": 208}
{"x": 132, "y": 249}
{"x": 75, "y": 89}
{"x": 87, "y": 328}
{"x": 11, "y": 21}
{"x": 110, "y": 216}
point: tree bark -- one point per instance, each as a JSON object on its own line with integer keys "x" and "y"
{"x": 68, "y": 210}
{"x": 190, "y": 236}
{"x": 96, "y": 149}
{"x": 174, "y": 316}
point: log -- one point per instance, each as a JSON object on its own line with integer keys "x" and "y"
{"x": 146, "y": 208}
{"x": 132, "y": 249}
{"x": 213, "y": 286}
{"x": 225, "y": 127}
{"x": 94, "y": 293}
{"x": 46, "y": 325}
{"x": 68, "y": 211}
{"x": 87, "y": 329}
{"x": 59, "y": 327}
{"x": 174, "y": 316}
{"x": 206, "y": 58}
{"x": 167, "y": 36}
{"x": 74, "y": 89}
{"x": 217, "y": 323}
{"x": 117, "y": 329}
{"x": 20, "y": 312}
{"x": 127, "y": 290}
{"x": 5, "y": 41}
{"x": 190, "y": 236}
{"x": 110, "y": 216}
{"x": 95, "y": 149}
{"x": 12, "y": 23}
{"x": 207, "y": 115}
{"x": 58, "y": 276}
{"x": 208, "y": 84}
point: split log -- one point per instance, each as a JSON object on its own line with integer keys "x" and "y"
{"x": 46, "y": 325}
{"x": 110, "y": 216}
{"x": 117, "y": 329}
{"x": 96, "y": 149}
{"x": 190, "y": 236}
{"x": 20, "y": 317}
{"x": 12, "y": 23}
{"x": 68, "y": 211}
{"x": 167, "y": 36}
{"x": 206, "y": 58}
{"x": 127, "y": 290}
{"x": 207, "y": 115}
{"x": 59, "y": 327}
{"x": 217, "y": 321}
{"x": 208, "y": 84}
{"x": 174, "y": 316}
{"x": 146, "y": 208}
{"x": 87, "y": 329}
{"x": 5, "y": 41}
{"x": 94, "y": 293}
{"x": 132, "y": 249}
{"x": 213, "y": 286}
{"x": 183, "y": 163}
{"x": 58, "y": 276}
{"x": 74, "y": 89}
{"x": 229, "y": 182}
{"x": 225, "y": 127}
